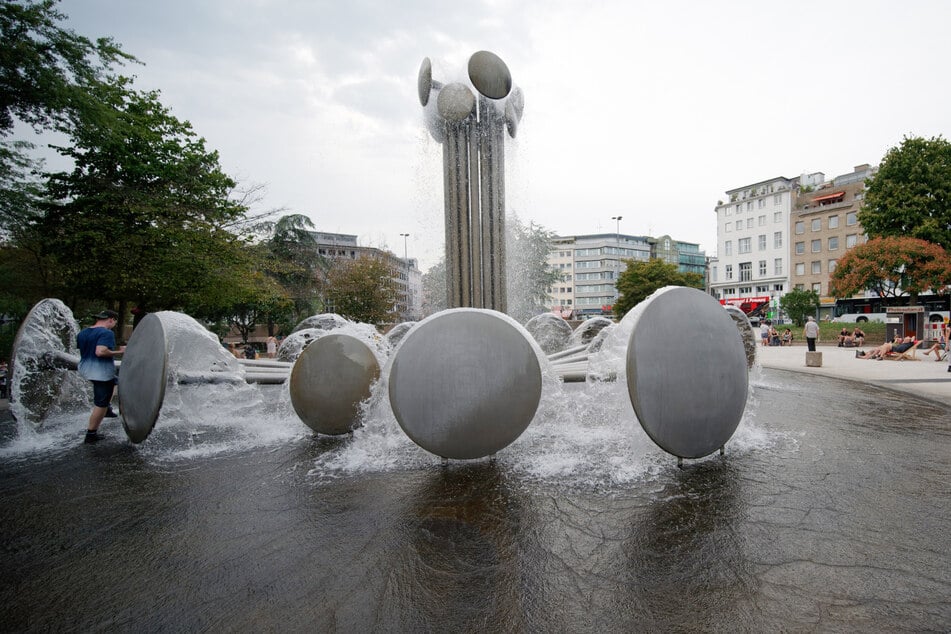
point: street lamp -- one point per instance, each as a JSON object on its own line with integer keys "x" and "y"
{"x": 617, "y": 263}
{"x": 405, "y": 260}
{"x": 406, "y": 266}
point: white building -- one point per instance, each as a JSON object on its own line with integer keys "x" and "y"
{"x": 752, "y": 263}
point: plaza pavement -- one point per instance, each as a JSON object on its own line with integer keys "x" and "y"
{"x": 924, "y": 378}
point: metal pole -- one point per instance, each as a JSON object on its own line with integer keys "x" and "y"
{"x": 617, "y": 263}
{"x": 406, "y": 274}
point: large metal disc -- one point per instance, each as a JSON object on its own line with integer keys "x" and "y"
{"x": 465, "y": 383}
{"x": 35, "y": 381}
{"x": 424, "y": 84}
{"x": 688, "y": 384}
{"x": 330, "y": 379}
{"x": 142, "y": 378}
{"x": 489, "y": 74}
{"x": 455, "y": 102}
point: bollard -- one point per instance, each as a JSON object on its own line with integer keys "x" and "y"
{"x": 813, "y": 359}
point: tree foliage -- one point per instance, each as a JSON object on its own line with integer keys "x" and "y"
{"x": 363, "y": 290}
{"x": 911, "y": 193}
{"x": 641, "y": 278}
{"x": 529, "y": 277}
{"x": 295, "y": 263}
{"x": 142, "y": 216}
{"x": 434, "y": 289}
{"x": 45, "y": 69}
{"x": 799, "y": 304}
{"x": 892, "y": 266}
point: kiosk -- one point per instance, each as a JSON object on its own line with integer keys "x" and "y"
{"x": 904, "y": 321}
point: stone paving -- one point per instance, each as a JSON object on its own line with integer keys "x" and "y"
{"x": 924, "y": 378}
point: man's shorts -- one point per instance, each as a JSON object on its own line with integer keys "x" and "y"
{"x": 102, "y": 392}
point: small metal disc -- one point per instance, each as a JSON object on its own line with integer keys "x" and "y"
{"x": 142, "y": 378}
{"x": 745, "y": 328}
{"x": 425, "y": 82}
{"x": 489, "y": 74}
{"x": 465, "y": 383}
{"x": 455, "y": 102}
{"x": 329, "y": 380}
{"x": 688, "y": 383}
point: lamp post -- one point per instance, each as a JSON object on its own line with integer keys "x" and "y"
{"x": 406, "y": 273}
{"x": 617, "y": 263}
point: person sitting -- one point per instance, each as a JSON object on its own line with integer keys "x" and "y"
{"x": 889, "y": 347}
{"x": 787, "y": 337}
{"x": 858, "y": 337}
{"x": 773, "y": 336}
{"x": 844, "y": 335}
{"x": 939, "y": 347}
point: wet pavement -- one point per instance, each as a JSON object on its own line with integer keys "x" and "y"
{"x": 831, "y": 511}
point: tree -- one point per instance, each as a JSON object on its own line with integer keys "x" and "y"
{"x": 529, "y": 276}
{"x": 799, "y": 304}
{"x": 143, "y": 214}
{"x": 434, "y": 289}
{"x": 294, "y": 261}
{"x": 362, "y": 290}
{"x": 911, "y": 193}
{"x": 640, "y": 279}
{"x": 891, "y": 267}
{"x": 44, "y": 67}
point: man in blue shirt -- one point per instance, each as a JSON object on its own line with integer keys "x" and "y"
{"x": 96, "y": 364}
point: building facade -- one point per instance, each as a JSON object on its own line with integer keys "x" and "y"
{"x": 752, "y": 263}
{"x": 590, "y": 265}
{"x": 407, "y": 276}
{"x": 823, "y": 226}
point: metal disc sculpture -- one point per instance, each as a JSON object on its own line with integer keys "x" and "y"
{"x": 465, "y": 383}
{"x": 142, "y": 378}
{"x": 329, "y": 380}
{"x": 688, "y": 386}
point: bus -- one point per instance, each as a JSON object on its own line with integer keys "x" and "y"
{"x": 865, "y": 309}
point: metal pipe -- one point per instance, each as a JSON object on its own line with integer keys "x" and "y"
{"x": 567, "y": 352}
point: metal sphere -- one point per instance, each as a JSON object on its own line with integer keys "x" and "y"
{"x": 688, "y": 385}
{"x": 455, "y": 102}
{"x": 465, "y": 383}
{"x": 489, "y": 74}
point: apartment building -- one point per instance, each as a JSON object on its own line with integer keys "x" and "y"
{"x": 823, "y": 226}
{"x": 752, "y": 263}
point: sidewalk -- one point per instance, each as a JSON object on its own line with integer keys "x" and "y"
{"x": 923, "y": 378}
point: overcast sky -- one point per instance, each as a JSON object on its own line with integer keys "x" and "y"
{"x": 650, "y": 110}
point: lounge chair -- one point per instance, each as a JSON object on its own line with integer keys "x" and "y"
{"x": 908, "y": 355}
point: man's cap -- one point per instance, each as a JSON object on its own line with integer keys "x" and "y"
{"x": 108, "y": 314}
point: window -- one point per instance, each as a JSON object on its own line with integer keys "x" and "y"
{"x": 800, "y": 268}
{"x": 778, "y": 266}
{"x": 833, "y": 222}
{"x": 728, "y": 227}
{"x": 800, "y": 248}
{"x": 727, "y": 211}
{"x": 800, "y": 287}
{"x": 729, "y": 271}
{"x": 762, "y": 268}
{"x": 761, "y": 203}
{"x": 777, "y": 216}
{"x": 739, "y": 225}
{"x": 713, "y": 273}
{"x": 833, "y": 243}
{"x": 749, "y": 205}
{"x": 777, "y": 199}
{"x": 762, "y": 289}
{"x": 831, "y": 264}
{"x": 746, "y": 289}
{"x": 739, "y": 209}
{"x": 816, "y": 246}
{"x": 851, "y": 218}
{"x": 743, "y": 245}
{"x": 817, "y": 224}
{"x": 816, "y": 267}
{"x": 778, "y": 287}
{"x": 800, "y": 227}
{"x": 728, "y": 247}
{"x": 777, "y": 239}
{"x": 746, "y": 271}
{"x": 761, "y": 240}
{"x": 761, "y": 221}
{"x": 749, "y": 223}
{"x": 817, "y": 287}
{"x": 850, "y": 240}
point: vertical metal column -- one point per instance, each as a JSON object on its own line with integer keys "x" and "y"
{"x": 492, "y": 167}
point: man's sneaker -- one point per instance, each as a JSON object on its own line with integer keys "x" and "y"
{"x": 110, "y": 413}
{"x": 92, "y": 436}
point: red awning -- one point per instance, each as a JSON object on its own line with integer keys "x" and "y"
{"x": 818, "y": 199}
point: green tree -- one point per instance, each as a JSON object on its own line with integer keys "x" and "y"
{"x": 892, "y": 267}
{"x": 362, "y": 290}
{"x": 910, "y": 196}
{"x": 143, "y": 215}
{"x": 434, "y": 289}
{"x": 295, "y": 262}
{"x": 799, "y": 304}
{"x": 640, "y": 279}
{"x": 529, "y": 276}
{"x": 45, "y": 68}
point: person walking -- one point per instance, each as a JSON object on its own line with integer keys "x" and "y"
{"x": 271, "y": 347}
{"x": 96, "y": 365}
{"x": 811, "y": 333}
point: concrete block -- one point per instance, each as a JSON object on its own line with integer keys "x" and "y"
{"x": 813, "y": 359}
